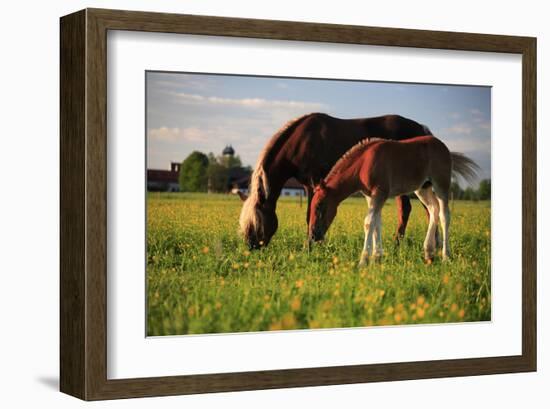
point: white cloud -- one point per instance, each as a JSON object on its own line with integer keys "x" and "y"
{"x": 177, "y": 134}
{"x": 467, "y": 128}
{"x": 186, "y": 98}
{"x": 467, "y": 136}
{"x": 468, "y": 145}
{"x": 169, "y": 82}
{"x": 460, "y": 129}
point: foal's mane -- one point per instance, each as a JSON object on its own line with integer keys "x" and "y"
{"x": 258, "y": 181}
{"x": 350, "y": 155}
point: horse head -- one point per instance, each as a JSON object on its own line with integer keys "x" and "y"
{"x": 322, "y": 212}
{"x": 258, "y": 221}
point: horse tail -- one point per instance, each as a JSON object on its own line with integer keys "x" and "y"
{"x": 463, "y": 166}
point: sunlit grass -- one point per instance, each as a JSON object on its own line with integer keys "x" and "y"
{"x": 202, "y": 279}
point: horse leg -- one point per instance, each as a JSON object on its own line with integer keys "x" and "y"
{"x": 437, "y": 239}
{"x": 428, "y": 199}
{"x": 368, "y": 224}
{"x": 375, "y": 208}
{"x": 403, "y": 211}
{"x": 377, "y": 237}
{"x": 309, "y": 193}
{"x": 445, "y": 217}
{"x": 367, "y": 246}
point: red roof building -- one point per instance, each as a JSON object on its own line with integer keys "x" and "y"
{"x": 159, "y": 180}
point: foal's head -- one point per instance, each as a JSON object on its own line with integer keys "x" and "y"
{"x": 322, "y": 212}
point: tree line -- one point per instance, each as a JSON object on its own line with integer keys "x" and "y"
{"x": 206, "y": 173}
{"x": 483, "y": 191}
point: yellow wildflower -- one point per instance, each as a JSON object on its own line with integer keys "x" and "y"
{"x": 288, "y": 321}
{"x": 276, "y": 326}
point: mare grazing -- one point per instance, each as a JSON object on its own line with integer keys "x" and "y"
{"x": 381, "y": 169}
{"x": 307, "y": 148}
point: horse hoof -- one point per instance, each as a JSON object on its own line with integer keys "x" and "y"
{"x": 397, "y": 239}
{"x": 429, "y": 261}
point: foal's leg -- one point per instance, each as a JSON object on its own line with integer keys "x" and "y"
{"x": 403, "y": 211}
{"x": 376, "y": 247}
{"x": 377, "y": 242}
{"x": 445, "y": 216}
{"x": 368, "y": 226}
{"x": 437, "y": 238}
{"x": 375, "y": 207}
{"x": 428, "y": 185}
{"x": 428, "y": 199}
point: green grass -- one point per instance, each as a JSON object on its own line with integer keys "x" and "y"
{"x": 202, "y": 279}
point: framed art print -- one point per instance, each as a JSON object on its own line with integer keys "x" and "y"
{"x": 251, "y": 204}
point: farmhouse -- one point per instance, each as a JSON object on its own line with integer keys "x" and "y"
{"x": 159, "y": 180}
{"x": 238, "y": 177}
{"x": 291, "y": 188}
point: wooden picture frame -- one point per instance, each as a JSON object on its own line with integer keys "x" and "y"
{"x": 83, "y": 75}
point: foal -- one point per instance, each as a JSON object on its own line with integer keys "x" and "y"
{"x": 381, "y": 169}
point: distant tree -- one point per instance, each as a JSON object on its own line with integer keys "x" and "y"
{"x": 218, "y": 177}
{"x": 211, "y": 158}
{"x": 230, "y": 161}
{"x": 193, "y": 175}
{"x": 469, "y": 194}
{"x": 456, "y": 191}
{"x": 484, "y": 190}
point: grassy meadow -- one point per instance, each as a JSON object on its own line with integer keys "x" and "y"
{"x": 202, "y": 279}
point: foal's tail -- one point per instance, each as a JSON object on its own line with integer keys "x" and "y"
{"x": 464, "y": 167}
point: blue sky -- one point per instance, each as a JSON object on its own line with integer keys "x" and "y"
{"x": 187, "y": 112}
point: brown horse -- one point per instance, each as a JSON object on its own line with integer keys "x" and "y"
{"x": 381, "y": 169}
{"x": 307, "y": 148}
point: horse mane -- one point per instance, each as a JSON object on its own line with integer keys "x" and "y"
{"x": 258, "y": 181}
{"x": 251, "y": 218}
{"x": 351, "y": 154}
